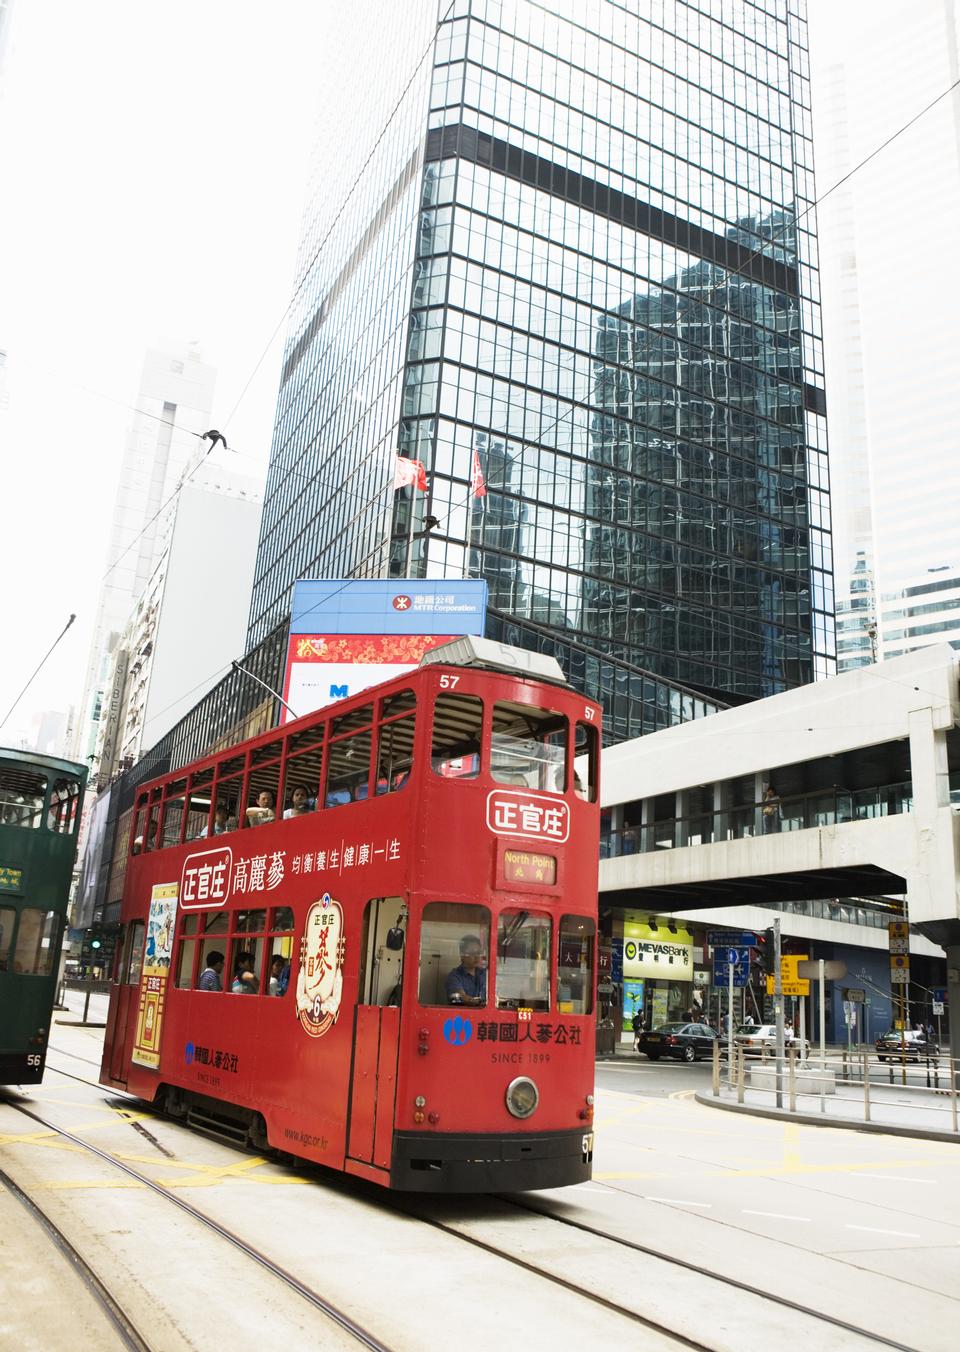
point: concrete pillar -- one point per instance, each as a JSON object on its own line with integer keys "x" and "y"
{"x": 953, "y": 997}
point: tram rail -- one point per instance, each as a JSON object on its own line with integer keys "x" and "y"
{"x": 417, "y": 1209}
{"x": 312, "y": 1297}
{"x": 122, "y": 1325}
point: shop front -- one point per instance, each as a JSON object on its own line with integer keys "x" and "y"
{"x": 658, "y": 972}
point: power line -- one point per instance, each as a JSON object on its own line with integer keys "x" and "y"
{"x": 37, "y": 670}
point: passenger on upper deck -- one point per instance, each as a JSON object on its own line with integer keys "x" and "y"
{"x": 299, "y": 803}
{"x": 244, "y": 978}
{"x": 467, "y": 984}
{"x": 222, "y": 821}
{"x": 264, "y": 810}
{"x": 210, "y": 977}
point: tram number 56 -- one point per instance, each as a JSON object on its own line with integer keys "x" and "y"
{"x": 34, "y": 1059}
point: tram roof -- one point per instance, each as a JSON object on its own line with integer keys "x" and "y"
{"x": 54, "y": 763}
{"x": 471, "y": 651}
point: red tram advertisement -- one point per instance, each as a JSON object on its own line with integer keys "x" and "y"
{"x": 405, "y": 883}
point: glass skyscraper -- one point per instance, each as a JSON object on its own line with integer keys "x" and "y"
{"x": 580, "y": 255}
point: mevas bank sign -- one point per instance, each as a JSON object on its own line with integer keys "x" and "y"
{"x": 650, "y": 952}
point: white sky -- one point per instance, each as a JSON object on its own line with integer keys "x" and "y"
{"x": 153, "y": 163}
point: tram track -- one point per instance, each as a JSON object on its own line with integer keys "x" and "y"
{"x": 699, "y": 1270}
{"x": 413, "y": 1208}
{"x": 117, "y": 1318}
{"x": 235, "y": 1241}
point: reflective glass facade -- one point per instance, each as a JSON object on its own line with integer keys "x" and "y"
{"x": 580, "y": 267}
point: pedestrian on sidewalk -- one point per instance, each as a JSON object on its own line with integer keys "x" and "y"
{"x": 636, "y": 1023}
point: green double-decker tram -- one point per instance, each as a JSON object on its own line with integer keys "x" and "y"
{"x": 41, "y": 798}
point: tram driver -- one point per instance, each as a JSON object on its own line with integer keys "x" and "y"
{"x": 467, "y": 984}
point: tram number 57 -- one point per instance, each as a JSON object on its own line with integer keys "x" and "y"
{"x": 449, "y": 682}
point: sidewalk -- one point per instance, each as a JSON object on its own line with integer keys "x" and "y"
{"x": 894, "y": 1109}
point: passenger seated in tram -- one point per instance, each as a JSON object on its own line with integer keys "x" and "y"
{"x": 299, "y": 803}
{"x": 222, "y": 821}
{"x": 244, "y": 977}
{"x": 276, "y": 971}
{"x": 265, "y": 810}
{"x": 211, "y": 976}
{"x": 467, "y": 984}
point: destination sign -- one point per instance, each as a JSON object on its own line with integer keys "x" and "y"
{"x": 526, "y": 866}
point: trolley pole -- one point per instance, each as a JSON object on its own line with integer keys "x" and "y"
{"x": 778, "y": 1007}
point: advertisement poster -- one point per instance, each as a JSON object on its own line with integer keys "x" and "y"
{"x": 632, "y": 1001}
{"x": 347, "y": 634}
{"x": 656, "y": 951}
{"x": 155, "y": 975}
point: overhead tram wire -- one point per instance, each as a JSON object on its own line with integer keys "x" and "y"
{"x": 37, "y": 670}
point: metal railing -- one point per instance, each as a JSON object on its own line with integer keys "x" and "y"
{"x": 798, "y": 812}
{"x": 857, "y": 1083}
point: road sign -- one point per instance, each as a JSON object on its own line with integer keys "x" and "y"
{"x": 898, "y": 934}
{"x": 854, "y": 996}
{"x": 939, "y": 994}
{"x": 899, "y": 970}
{"x": 725, "y": 959}
{"x": 791, "y": 982}
{"x": 833, "y": 970}
{"x": 938, "y": 1006}
{"x": 731, "y": 939}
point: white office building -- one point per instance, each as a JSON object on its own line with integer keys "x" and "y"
{"x": 172, "y": 411}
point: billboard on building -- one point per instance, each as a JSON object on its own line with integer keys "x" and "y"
{"x": 652, "y": 951}
{"x": 347, "y": 634}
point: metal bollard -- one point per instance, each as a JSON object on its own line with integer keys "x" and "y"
{"x": 953, "y": 1093}
{"x": 866, "y": 1087}
{"x": 716, "y": 1068}
{"x": 741, "y": 1075}
{"x": 792, "y": 1074}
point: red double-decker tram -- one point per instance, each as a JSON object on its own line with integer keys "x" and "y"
{"x": 369, "y": 938}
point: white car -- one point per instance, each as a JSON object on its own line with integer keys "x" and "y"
{"x": 758, "y": 1038}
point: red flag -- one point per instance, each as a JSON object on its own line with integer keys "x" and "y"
{"x": 477, "y": 485}
{"x": 409, "y": 474}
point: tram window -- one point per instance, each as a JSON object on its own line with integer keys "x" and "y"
{"x": 303, "y": 765}
{"x": 173, "y": 814}
{"x": 22, "y": 792}
{"x": 153, "y": 820}
{"x": 229, "y": 787}
{"x": 263, "y": 790}
{"x": 457, "y": 729}
{"x": 281, "y": 919}
{"x": 528, "y": 747}
{"x": 523, "y": 960}
{"x": 280, "y": 950}
{"x": 245, "y": 968}
{"x": 139, "y": 826}
{"x": 198, "y": 806}
{"x": 134, "y": 953}
{"x": 348, "y": 758}
{"x": 214, "y": 926}
{"x": 7, "y": 917}
{"x": 395, "y": 742}
{"x": 575, "y": 965}
{"x": 454, "y": 937}
{"x": 251, "y": 922}
{"x": 586, "y": 764}
{"x": 187, "y": 953}
{"x": 36, "y": 942}
{"x": 62, "y": 814}
{"x": 381, "y": 962}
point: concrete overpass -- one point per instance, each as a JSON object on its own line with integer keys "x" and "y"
{"x": 842, "y": 788}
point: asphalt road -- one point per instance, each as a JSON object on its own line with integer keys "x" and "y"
{"x": 657, "y": 1079}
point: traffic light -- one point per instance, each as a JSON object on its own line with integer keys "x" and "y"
{"x": 768, "y": 952}
{"x": 96, "y": 938}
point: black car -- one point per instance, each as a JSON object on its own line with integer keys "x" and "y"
{"x": 909, "y": 1045}
{"x": 684, "y": 1041}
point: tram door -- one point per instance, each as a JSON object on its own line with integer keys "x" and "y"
{"x": 125, "y": 1000}
{"x": 377, "y": 1033}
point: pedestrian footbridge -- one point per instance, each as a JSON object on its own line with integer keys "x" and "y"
{"x": 842, "y": 788}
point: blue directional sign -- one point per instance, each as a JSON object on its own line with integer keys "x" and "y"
{"x": 727, "y": 959}
{"x": 731, "y": 939}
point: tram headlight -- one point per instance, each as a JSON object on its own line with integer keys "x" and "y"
{"x": 522, "y": 1097}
